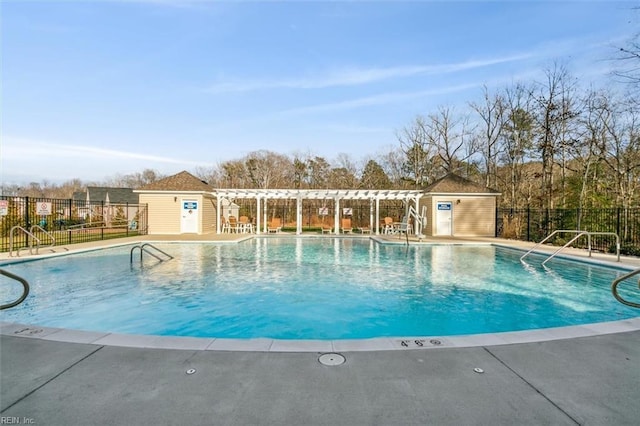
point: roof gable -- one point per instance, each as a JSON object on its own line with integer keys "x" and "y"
{"x": 452, "y": 183}
{"x": 183, "y": 181}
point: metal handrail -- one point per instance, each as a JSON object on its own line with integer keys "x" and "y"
{"x": 25, "y": 291}
{"x": 30, "y": 240}
{"x": 580, "y": 234}
{"x": 143, "y": 248}
{"x": 614, "y": 288}
{"x": 49, "y": 234}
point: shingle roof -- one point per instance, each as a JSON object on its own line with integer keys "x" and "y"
{"x": 79, "y": 196}
{"x": 116, "y": 195}
{"x": 183, "y": 181}
{"x": 452, "y": 183}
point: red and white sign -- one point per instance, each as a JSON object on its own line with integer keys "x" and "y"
{"x": 4, "y": 207}
{"x": 43, "y": 208}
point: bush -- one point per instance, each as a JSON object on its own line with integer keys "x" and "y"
{"x": 626, "y": 249}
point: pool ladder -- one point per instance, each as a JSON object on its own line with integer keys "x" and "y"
{"x": 614, "y": 288}
{"x": 31, "y": 238}
{"x": 25, "y": 291}
{"x": 144, "y": 248}
{"x": 579, "y": 234}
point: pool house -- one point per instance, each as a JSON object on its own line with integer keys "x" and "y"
{"x": 451, "y": 206}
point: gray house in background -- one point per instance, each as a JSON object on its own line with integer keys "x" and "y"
{"x": 108, "y": 205}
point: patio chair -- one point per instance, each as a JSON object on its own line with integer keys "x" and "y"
{"x": 275, "y": 225}
{"x": 403, "y": 228}
{"x": 364, "y": 229}
{"x": 225, "y": 225}
{"x": 233, "y": 224}
{"x": 244, "y": 225}
{"x": 387, "y": 225}
{"x": 326, "y": 228}
{"x": 345, "y": 226}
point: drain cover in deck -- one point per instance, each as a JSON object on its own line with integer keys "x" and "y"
{"x": 331, "y": 359}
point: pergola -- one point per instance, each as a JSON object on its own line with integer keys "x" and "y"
{"x": 262, "y": 197}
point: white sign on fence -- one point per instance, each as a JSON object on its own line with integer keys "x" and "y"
{"x": 4, "y": 207}
{"x": 43, "y": 208}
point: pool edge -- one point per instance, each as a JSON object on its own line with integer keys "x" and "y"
{"x": 317, "y": 346}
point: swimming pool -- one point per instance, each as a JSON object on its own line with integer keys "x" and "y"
{"x": 312, "y": 288}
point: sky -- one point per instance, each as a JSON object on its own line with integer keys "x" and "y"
{"x": 96, "y": 89}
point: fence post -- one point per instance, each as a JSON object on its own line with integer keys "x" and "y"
{"x": 528, "y": 223}
{"x": 27, "y": 220}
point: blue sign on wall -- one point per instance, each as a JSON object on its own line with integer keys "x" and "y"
{"x": 444, "y": 206}
{"x": 190, "y": 205}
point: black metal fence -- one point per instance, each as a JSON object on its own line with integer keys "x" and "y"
{"x": 27, "y": 221}
{"x": 68, "y": 221}
{"x": 536, "y": 224}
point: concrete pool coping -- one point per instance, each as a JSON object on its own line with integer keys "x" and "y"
{"x": 370, "y": 344}
{"x": 569, "y": 381}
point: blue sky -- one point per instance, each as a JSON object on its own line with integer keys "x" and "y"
{"x": 92, "y": 89}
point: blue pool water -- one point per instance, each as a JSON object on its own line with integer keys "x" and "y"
{"x": 312, "y": 288}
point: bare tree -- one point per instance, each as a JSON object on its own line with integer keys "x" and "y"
{"x": 552, "y": 99}
{"x": 491, "y": 112}
{"x": 620, "y": 149}
{"x": 595, "y": 114}
{"x": 268, "y": 169}
{"x": 516, "y": 140}
{"x": 452, "y": 135}
{"x": 628, "y": 58}
{"x": 392, "y": 163}
{"x": 418, "y": 153}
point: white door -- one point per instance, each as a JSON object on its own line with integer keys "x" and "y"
{"x": 443, "y": 217}
{"x": 189, "y": 219}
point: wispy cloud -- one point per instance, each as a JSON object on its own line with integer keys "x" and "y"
{"x": 19, "y": 148}
{"x": 358, "y": 76}
{"x": 382, "y": 99}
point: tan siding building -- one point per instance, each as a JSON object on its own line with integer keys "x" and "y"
{"x": 179, "y": 204}
{"x": 459, "y": 207}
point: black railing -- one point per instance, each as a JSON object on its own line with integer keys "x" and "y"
{"x": 536, "y": 224}
{"x": 67, "y": 221}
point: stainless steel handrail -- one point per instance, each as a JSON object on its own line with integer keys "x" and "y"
{"x": 25, "y": 291}
{"x": 614, "y": 288}
{"x": 580, "y": 234}
{"x": 49, "y": 234}
{"x": 30, "y": 240}
{"x": 143, "y": 248}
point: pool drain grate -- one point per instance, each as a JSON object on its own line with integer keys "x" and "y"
{"x": 331, "y": 359}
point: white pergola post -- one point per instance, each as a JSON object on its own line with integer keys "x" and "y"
{"x": 258, "y": 202}
{"x": 370, "y": 213}
{"x": 266, "y": 209}
{"x": 218, "y": 214}
{"x": 377, "y": 215}
{"x": 336, "y": 217}
{"x": 417, "y": 231}
{"x": 299, "y": 215}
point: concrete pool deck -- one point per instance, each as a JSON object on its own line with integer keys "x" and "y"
{"x": 588, "y": 375}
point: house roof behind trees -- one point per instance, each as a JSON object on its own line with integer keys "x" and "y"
{"x": 452, "y": 183}
{"x": 97, "y": 194}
